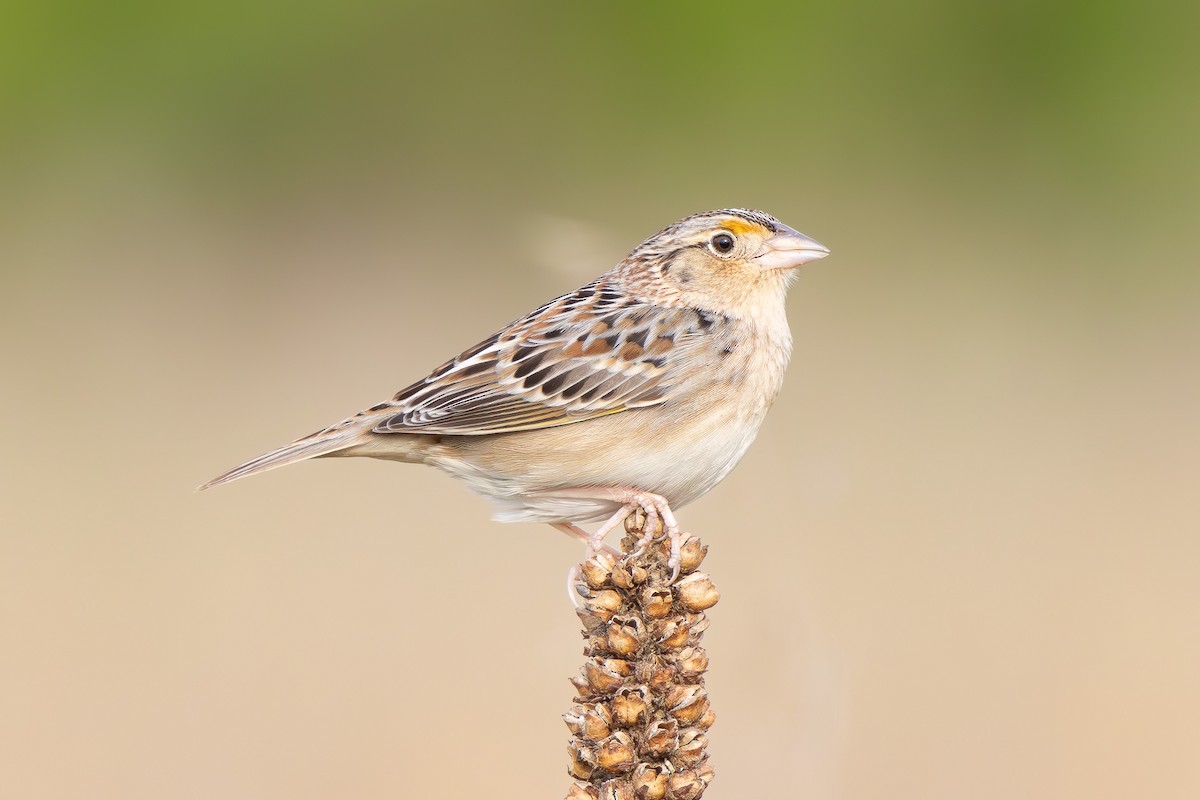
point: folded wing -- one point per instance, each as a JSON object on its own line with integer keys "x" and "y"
{"x": 584, "y": 355}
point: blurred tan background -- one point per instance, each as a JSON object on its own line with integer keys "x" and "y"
{"x": 962, "y": 560}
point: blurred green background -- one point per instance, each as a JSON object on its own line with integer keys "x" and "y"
{"x": 961, "y": 561}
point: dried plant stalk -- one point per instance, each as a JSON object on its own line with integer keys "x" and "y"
{"x": 639, "y": 720}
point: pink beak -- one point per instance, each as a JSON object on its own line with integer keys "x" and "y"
{"x": 789, "y": 249}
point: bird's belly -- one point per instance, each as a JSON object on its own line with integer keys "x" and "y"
{"x": 680, "y": 456}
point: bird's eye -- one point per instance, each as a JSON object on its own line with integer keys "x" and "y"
{"x": 722, "y": 243}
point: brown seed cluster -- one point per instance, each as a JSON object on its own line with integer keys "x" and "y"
{"x": 639, "y": 720}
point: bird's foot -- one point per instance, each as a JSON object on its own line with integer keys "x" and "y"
{"x": 659, "y": 519}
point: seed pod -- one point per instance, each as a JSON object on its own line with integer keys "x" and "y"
{"x": 697, "y": 625}
{"x": 692, "y": 744}
{"x": 673, "y": 633}
{"x": 598, "y": 569}
{"x": 589, "y": 618}
{"x": 649, "y": 782}
{"x": 691, "y": 553}
{"x": 625, "y": 635}
{"x": 582, "y": 791}
{"x": 661, "y": 737}
{"x": 601, "y": 679}
{"x": 630, "y": 706}
{"x": 686, "y": 703}
{"x": 622, "y": 576}
{"x": 696, "y": 592}
{"x": 655, "y": 601}
{"x": 693, "y": 661}
{"x": 574, "y": 720}
{"x": 617, "y": 790}
{"x": 619, "y": 666}
{"x": 583, "y": 761}
{"x": 606, "y": 600}
{"x": 597, "y": 605}
{"x": 662, "y": 677}
{"x": 686, "y": 785}
{"x": 615, "y": 753}
{"x": 597, "y": 645}
{"x": 595, "y": 722}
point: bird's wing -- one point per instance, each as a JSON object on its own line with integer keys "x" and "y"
{"x": 583, "y": 355}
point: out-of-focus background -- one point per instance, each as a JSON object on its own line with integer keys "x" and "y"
{"x": 962, "y": 560}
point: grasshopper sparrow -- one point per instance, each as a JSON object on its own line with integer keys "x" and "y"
{"x": 639, "y": 390}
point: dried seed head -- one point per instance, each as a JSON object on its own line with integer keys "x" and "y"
{"x": 659, "y": 676}
{"x": 631, "y": 705}
{"x": 692, "y": 661}
{"x": 638, "y": 726}
{"x": 622, "y": 576}
{"x": 697, "y": 625}
{"x": 583, "y": 761}
{"x": 692, "y": 744}
{"x": 686, "y": 703}
{"x": 686, "y": 785}
{"x": 649, "y": 782}
{"x": 605, "y": 600}
{"x": 590, "y": 721}
{"x": 574, "y": 720}
{"x": 616, "y": 753}
{"x": 597, "y": 569}
{"x": 619, "y": 666}
{"x": 691, "y": 553}
{"x": 696, "y": 592}
{"x": 598, "y": 605}
{"x": 597, "y": 723}
{"x": 601, "y": 679}
{"x": 583, "y": 791}
{"x": 661, "y": 737}
{"x": 617, "y": 790}
{"x": 655, "y": 602}
{"x": 590, "y": 619}
{"x": 625, "y": 635}
{"x": 673, "y": 634}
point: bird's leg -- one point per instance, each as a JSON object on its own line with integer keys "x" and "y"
{"x": 654, "y": 506}
{"x": 594, "y": 541}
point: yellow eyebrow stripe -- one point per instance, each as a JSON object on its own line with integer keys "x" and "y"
{"x": 740, "y": 226}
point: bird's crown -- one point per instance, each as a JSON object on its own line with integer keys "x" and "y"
{"x": 698, "y": 226}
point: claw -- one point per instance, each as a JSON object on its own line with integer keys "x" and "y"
{"x": 572, "y": 578}
{"x": 676, "y": 559}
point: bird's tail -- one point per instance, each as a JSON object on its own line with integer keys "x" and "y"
{"x": 324, "y": 443}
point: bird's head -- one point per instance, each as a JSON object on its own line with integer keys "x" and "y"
{"x": 734, "y": 261}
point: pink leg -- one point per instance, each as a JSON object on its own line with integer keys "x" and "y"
{"x": 654, "y": 506}
{"x": 594, "y": 542}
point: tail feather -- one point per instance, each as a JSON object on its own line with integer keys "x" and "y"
{"x": 319, "y": 445}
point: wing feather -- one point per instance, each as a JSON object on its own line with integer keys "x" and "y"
{"x": 586, "y": 354}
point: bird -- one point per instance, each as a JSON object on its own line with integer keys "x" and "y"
{"x": 639, "y": 391}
